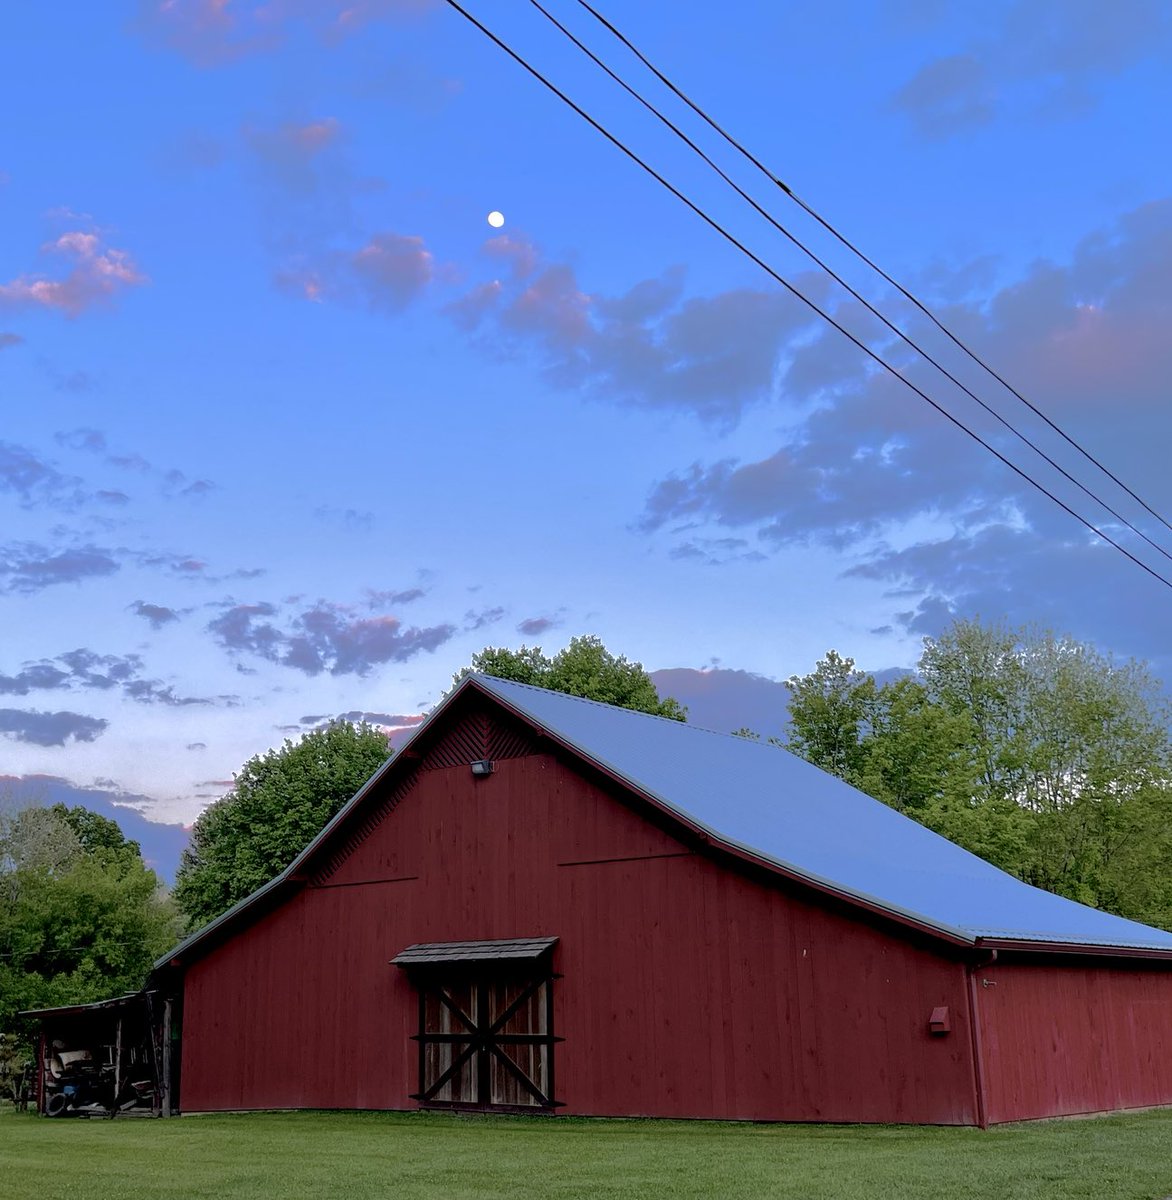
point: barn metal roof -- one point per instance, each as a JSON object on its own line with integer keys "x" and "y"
{"x": 503, "y": 950}
{"x": 760, "y": 799}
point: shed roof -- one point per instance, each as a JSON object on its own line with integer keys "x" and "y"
{"x": 760, "y": 798}
{"x": 68, "y": 1010}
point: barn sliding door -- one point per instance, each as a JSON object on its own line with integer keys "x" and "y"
{"x": 485, "y": 1035}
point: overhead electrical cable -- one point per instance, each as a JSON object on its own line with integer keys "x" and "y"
{"x": 891, "y": 325}
{"x": 845, "y": 241}
{"x": 733, "y": 240}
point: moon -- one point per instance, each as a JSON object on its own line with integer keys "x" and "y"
{"x": 496, "y": 219}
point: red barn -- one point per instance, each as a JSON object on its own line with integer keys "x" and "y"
{"x": 547, "y": 904}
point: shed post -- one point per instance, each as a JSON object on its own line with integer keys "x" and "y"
{"x": 42, "y": 1046}
{"x": 165, "y": 1069}
{"x": 117, "y": 1064}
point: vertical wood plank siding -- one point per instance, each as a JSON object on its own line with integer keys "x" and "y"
{"x": 687, "y": 989}
{"x": 1062, "y": 1040}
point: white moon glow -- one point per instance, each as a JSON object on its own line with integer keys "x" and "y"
{"x": 496, "y": 219}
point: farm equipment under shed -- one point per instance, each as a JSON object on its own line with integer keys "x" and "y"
{"x": 106, "y": 1059}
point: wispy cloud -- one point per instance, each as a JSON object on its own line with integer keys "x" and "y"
{"x": 85, "y": 670}
{"x": 474, "y": 620}
{"x": 875, "y": 475}
{"x": 376, "y": 599}
{"x": 288, "y": 152}
{"x": 323, "y": 637}
{"x": 171, "y": 480}
{"x": 651, "y": 346}
{"x": 536, "y": 626}
{"x": 157, "y": 614}
{"x": 28, "y": 567}
{"x": 948, "y": 95}
{"x": 35, "y": 480}
{"x": 1044, "y": 59}
{"x": 50, "y": 728}
{"x": 356, "y": 716}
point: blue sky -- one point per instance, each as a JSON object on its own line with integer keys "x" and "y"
{"x": 290, "y": 431}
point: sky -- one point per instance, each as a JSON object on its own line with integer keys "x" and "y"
{"x": 290, "y": 431}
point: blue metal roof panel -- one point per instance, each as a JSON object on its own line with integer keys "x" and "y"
{"x": 766, "y": 800}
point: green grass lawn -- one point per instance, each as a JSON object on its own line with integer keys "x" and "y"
{"x": 359, "y": 1155}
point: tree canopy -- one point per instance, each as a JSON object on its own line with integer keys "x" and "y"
{"x": 1031, "y": 749}
{"x": 82, "y": 917}
{"x": 584, "y": 668}
{"x": 279, "y": 802}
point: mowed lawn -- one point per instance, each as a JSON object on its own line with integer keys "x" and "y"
{"x": 359, "y": 1155}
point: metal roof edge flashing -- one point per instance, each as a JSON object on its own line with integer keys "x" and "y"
{"x": 1069, "y": 948}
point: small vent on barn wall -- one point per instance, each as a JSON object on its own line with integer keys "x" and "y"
{"x": 479, "y": 736}
{"x": 939, "y": 1022}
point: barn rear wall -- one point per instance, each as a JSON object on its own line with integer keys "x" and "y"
{"x": 687, "y": 989}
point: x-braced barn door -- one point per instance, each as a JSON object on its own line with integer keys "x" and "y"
{"x": 485, "y": 1032}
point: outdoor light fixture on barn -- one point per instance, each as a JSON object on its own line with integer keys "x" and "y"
{"x": 666, "y": 921}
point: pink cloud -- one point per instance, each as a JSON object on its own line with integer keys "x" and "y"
{"x": 308, "y": 284}
{"x": 1099, "y": 353}
{"x": 354, "y": 15}
{"x": 209, "y": 32}
{"x": 393, "y": 269}
{"x": 302, "y": 156}
{"x": 212, "y": 32}
{"x": 475, "y": 305}
{"x": 294, "y": 140}
{"x": 316, "y": 135}
{"x": 552, "y": 308}
{"x": 97, "y": 274}
{"x": 519, "y": 252}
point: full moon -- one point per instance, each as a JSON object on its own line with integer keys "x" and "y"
{"x": 496, "y": 219}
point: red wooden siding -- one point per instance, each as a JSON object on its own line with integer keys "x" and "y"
{"x": 687, "y": 989}
{"x": 1060, "y": 1040}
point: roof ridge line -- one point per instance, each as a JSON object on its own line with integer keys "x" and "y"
{"x": 537, "y": 687}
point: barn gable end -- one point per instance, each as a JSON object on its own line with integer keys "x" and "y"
{"x": 685, "y": 989}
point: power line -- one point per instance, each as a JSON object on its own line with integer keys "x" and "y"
{"x": 729, "y": 237}
{"x": 23, "y": 954}
{"x": 845, "y": 241}
{"x": 897, "y": 330}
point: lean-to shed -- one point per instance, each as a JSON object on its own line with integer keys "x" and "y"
{"x": 544, "y": 903}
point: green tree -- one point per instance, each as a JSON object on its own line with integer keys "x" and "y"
{"x": 831, "y": 711}
{"x": 96, "y": 834}
{"x": 279, "y": 802}
{"x": 1031, "y": 749}
{"x": 1063, "y": 733}
{"x": 584, "y": 668}
{"x": 78, "y": 922}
